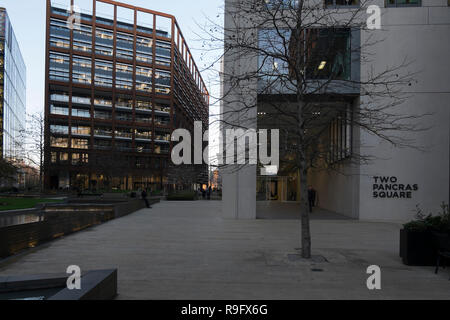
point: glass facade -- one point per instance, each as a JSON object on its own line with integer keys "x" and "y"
{"x": 12, "y": 90}
{"x": 112, "y": 95}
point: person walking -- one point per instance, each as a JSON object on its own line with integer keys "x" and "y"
{"x": 144, "y": 197}
{"x": 311, "y": 198}
{"x": 209, "y": 193}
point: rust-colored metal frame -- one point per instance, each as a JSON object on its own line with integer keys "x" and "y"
{"x": 194, "y": 85}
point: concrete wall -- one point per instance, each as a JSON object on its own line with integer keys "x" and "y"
{"x": 422, "y": 34}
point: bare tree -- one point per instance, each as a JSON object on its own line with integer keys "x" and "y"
{"x": 30, "y": 144}
{"x": 288, "y": 65}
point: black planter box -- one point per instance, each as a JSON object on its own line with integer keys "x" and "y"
{"x": 417, "y": 248}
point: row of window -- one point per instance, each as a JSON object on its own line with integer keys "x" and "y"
{"x": 106, "y": 115}
{"x": 60, "y": 37}
{"x": 120, "y": 102}
{"x": 143, "y": 134}
{"x": 82, "y": 68}
{"x": 83, "y": 144}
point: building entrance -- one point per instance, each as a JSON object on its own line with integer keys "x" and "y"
{"x": 278, "y": 188}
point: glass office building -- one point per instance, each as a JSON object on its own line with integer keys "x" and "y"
{"x": 116, "y": 89}
{"x": 12, "y": 91}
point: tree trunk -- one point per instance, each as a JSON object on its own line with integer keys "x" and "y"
{"x": 303, "y": 170}
{"x": 304, "y": 207}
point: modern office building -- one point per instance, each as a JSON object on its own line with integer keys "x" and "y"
{"x": 414, "y": 29}
{"x": 12, "y": 91}
{"x": 118, "y": 83}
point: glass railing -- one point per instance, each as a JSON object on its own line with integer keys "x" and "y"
{"x": 126, "y": 135}
{"x": 59, "y": 98}
{"x": 102, "y": 133}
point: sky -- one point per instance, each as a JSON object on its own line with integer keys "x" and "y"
{"x": 28, "y": 20}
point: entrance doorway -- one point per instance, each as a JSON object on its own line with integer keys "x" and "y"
{"x": 278, "y": 188}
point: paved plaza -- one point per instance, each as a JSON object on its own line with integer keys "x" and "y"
{"x": 185, "y": 250}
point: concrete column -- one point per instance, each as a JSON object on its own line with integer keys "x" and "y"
{"x": 239, "y": 193}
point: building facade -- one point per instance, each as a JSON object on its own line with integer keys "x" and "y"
{"x": 389, "y": 186}
{"x": 12, "y": 92}
{"x": 115, "y": 91}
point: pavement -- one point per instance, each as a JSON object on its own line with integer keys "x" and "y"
{"x": 275, "y": 210}
{"x": 185, "y": 250}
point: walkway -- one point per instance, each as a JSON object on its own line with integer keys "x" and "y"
{"x": 184, "y": 250}
{"x": 276, "y": 210}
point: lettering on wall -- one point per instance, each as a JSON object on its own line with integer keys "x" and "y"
{"x": 391, "y": 188}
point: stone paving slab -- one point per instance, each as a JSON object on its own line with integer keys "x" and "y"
{"x": 185, "y": 250}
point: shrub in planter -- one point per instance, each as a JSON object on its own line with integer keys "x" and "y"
{"x": 418, "y": 245}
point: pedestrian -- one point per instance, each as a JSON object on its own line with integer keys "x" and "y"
{"x": 209, "y": 193}
{"x": 311, "y": 198}
{"x": 144, "y": 197}
{"x": 203, "y": 194}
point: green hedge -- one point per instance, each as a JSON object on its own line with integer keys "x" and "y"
{"x": 182, "y": 196}
{"x": 23, "y": 203}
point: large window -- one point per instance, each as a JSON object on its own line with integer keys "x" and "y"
{"x": 103, "y": 73}
{"x": 326, "y": 52}
{"x": 80, "y": 144}
{"x": 124, "y": 76}
{"x": 163, "y": 53}
{"x": 81, "y": 72}
{"x": 59, "y": 66}
{"x": 56, "y": 142}
{"x": 82, "y": 38}
{"x": 403, "y": 3}
{"x": 340, "y": 136}
{"x": 58, "y": 129}
{"x": 125, "y": 45}
{"x": 144, "y": 79}
{"x": 144, "y": 49}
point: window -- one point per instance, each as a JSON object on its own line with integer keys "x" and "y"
{"x": 82, "y": 38}
{"x": 121, "y": 116}
{"x": 80, "y": 144}
{"x": 162, "y": 79}
{"x": 144, "y": 79}
{"x": 80, "y": 158}
{"x": 124, "y": 133}
{"x": 162, "y": 108}
{"x": 163, "y": 53}
{"x": 59, "y": 66}
{"x": 102, "y": 115}
{"x": 102, "y": 144}
{"x": 105, "y": 132}
{"x": 124, "y": 103}
{"x": 143, "y": 134}
{"x": 340, "y": 136}
{"x": 81, "y": 131}
{"x": 81, "y": 70}
{"x": 125, "y": 45}
{"x": 338, "y": 3}
{"x": 124, "y": 76}
{"x": 81, "y": 113}
{"x": 403, "y": 3}
{"x": 81, "y": 100}
{"x": 281, "y": 4}
{"x": 162, "y": 136}
{"x": 59, "y": 142}
{"x": 103, "y": 73}
{"x": 104, "y": 42}
{"x": 57, "y": 129}
{"x": 144, "y": 105}
{"x": 59, "y": 110}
